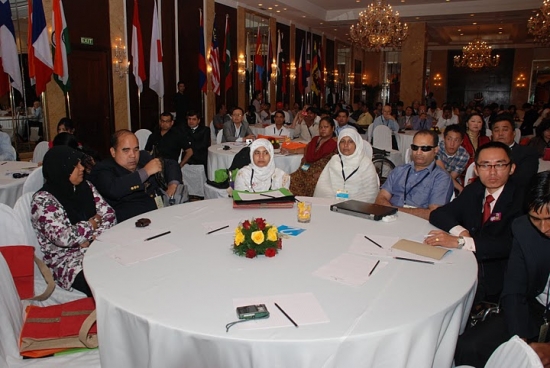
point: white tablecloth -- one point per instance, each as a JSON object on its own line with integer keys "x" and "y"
{"x": 260, "y": 129}
{"x": 543, "y": 165}
{"x": 171, "y": 311}
{"x": 220, "y": 159}
{"x": 10, "y": 188}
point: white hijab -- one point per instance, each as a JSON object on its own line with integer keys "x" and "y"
{"x": 352, "y": 161}
{"x": 262, "y": 173}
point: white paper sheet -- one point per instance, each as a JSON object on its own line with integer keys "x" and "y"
{"x": 131, "y": 235}
{"x": 259, "y": 196}
{"x": 303, "y": 308}
{"x": 140, "y": 252}
{"x": 349, "y": 269}
{"x": 230, "y": 229}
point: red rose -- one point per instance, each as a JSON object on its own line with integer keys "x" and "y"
{"x": 261, "y": 223}
{"x": 270, "y": 252}
{"x": 251, "y": 253}
{"x": 246, "y": 225}
{"x": 280, "y": 243}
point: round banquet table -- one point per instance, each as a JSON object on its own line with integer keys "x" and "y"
{"x": 10, "y": 188}
{"x": 218, "y": 158}
{"x": 405, "y": 139}
{"x": 171, "y": 311}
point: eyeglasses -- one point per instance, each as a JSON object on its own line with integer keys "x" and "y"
{"x": 497, "y": 167}
{"x": 414, "y": 147}
{"x": 237, "y": 115}
{"x": 165, "y": 121}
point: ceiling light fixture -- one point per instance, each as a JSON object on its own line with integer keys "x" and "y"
{"x": 476, "y": 55}
{"x": 538, "y": 25}
{"x": 377, "y": 27}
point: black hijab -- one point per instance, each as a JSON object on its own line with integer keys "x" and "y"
{"x": 77, "y": 200}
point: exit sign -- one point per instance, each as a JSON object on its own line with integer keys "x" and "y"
{"x": 86, "y": 40}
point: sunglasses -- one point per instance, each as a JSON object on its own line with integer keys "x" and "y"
{"x": 414, "y": 147}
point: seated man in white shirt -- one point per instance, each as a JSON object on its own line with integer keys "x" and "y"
{"x": 279, "y": 107}
{"x": 309, "y": 126}
{"x": 277, "y": 129}
{"x": 447, "y": 118}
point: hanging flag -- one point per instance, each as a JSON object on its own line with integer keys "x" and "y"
{"x": 39, "y": 51}
{"x": 307, "y": 69}
{"x": 279, "y": 50}
{"x": 9, "y": 57}
{"x": 228, "y": 70}
{"x": 202, "y": 59}
{"x": 269, "y": 57}
{"x": 61, "y": 46}
{"x": 314, "y": 71}
{"x": 138, "y": 60}
{"x": 156, "y": 72}
{"x": 258, "y": 62}
{"x": 300, "y": 71}
{"x": 321, "y": 80}
{"x": 214, "y": 60}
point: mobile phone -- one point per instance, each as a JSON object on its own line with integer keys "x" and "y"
{"x": 252, "y": 311}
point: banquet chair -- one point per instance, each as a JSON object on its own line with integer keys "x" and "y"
{"x": 39, "y": 151}
{"x": 142, "y": 136}
{"x": 367, "y": 147}
{"x": 212, "y": 131}
{"x": 12, "y": 231}
{"x": 408, "y": 155}
{"x": 219, "y": 137}
{"x": 13, "y": 152}
{"x": 22, "y": 210}
{"x": 369, "y": 133}
{"x": 194, "y": 178}
{"x": 517, "y": 137}
{"x": 381, "y": 138}
{"x": 469, "y": 173}
{"x": 513, "y": 353}
{"x": 211, "y": 192}
{"x": 11, "y": 323}
{"x": 34, "y": 181}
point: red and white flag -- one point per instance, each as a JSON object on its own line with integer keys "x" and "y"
{"x": 9, "y": 57}
{"x": 156, "y": 75}
{"x": 138, "y": 62}
{"x": 39, "y": 49}
{"x": 214, "y": 60}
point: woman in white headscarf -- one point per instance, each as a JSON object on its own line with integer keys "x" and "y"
{"x": 350, "y": 174}
{"x": 261, "y": 174}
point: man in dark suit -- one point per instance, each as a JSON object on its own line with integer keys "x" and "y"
{"x": 237, "y": 130}
{"x": 127, "y": 180}
{"x": 479, "y": 219}
{"x": 525, "y": 158}
{"x": 198, "y": 137}
{"x": 525, "y": 294}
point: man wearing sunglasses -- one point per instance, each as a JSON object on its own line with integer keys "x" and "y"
{"x": 480, "y": 218}
{"x": 420, "y": 186}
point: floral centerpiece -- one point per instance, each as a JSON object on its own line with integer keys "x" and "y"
{"x": 275, "y": 143}
{"x": 255, "y": 237}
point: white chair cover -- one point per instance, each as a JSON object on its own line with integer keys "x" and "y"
{"x": 219, "y": 137}
{"x": 22, "y": 210}
{"x": 408, "y": 155}
{"x": 194, "y": 177}
{"x": 517, "y": 137}
{"x": 369, "y": 133}
{"x": 368, "y": 149}
{"x": 39, "y": 152}
{"x": 514, "y": 353}
{"x": 11, "y": 229}
{"x": 211, "y": 192}
{"x": 13, "y": 153}
{"x": 11, "y": 322}
{"x": 34, "y": 181}
{"x": 142, "y": 136}
{"x": 381, "y": 138}
{"x": 469, "y": 173}
{"x": 212, "y": 131}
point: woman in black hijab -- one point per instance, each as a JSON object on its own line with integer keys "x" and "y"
{"x": 67, "y": 214}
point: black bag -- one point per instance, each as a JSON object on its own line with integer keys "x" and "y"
{"x": 241, "y": 159}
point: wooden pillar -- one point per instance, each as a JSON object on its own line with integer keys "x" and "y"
{"x": 413, "y": 64}
{"x": 292, "y": 60}
{"x": 210, "y": 100}
{"x": 241, "y": 55}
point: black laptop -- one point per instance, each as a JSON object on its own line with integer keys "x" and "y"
{"x": 366, "y": 210}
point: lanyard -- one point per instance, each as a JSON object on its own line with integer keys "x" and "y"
{"x": 414, "y": 186}
{"x": 343, "y": 174}
{"x": 252, "y": 177}
{"x": 275, "y": 130}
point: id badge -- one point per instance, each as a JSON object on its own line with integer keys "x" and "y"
{"x": 305, "y": 167}
{"x": 342, "y": 194}
{"x": 159, "y": 201}
{"x": 543, "y": 332}
{"x": 408, "y": 206}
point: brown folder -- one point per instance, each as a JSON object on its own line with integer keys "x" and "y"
{"x": 420, "y": 249}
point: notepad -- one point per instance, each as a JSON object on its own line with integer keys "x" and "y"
{"x": 420, "y": 249}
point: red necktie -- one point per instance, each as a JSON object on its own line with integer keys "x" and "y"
{"x": 487, "y": 208}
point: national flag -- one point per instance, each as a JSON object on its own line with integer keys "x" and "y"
{"x": 321, "y": 80}
{"x": 214, "y": 60}
{"x": 269, "y": 56}
{"x": 9, "y": 57}
{"x": 39, "y": 50}
{"x": 258, "y": 62}
{"x": 228, "y": 69}
{"x": 138, "y": 60}
{"x": 202, "y": 59}
{"x": 156, "y": 71}
{"x": 314, "y": 70}
{"x": 283, "y": 75}
{"x": 300, "y": 70}
{"x": 61, "y": 45}
{"x": 307, "y": 69}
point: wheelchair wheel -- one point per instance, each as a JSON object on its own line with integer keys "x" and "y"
{"x": 383, "y": 167}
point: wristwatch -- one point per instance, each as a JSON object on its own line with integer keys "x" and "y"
{"x": 461, "y": 241}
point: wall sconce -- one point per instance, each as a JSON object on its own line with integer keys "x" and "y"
{"x": 520, "y": 81}
{"x": 274, "y": 72}
{"x": 438, "y": 80}
{"x": 120, "y": 67}
{"x": 242, "y": 68}
{"x": 351, "y": 79}
{"x": 364, "y": 79}
{"x": 325, "y": 75}
{"x": 335, "y": 75}
{"x": 292, "y": 72}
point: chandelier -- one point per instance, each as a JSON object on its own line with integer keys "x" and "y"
{"x": 538, "y": 25}
{"x": 476, "y": 55}
{"x": 378, "y": 26}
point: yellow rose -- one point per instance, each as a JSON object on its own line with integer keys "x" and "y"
{"x": 272, "y": 234}
{"x": 239, "y": 237}
{"x": 257, "y": 237}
